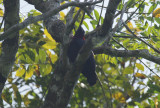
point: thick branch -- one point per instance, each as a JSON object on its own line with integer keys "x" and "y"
{"x": 109, "y": 16}
{"x": 39, "y": 4}
{"x": 127, "y": 53}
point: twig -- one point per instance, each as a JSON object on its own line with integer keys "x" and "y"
{"x": 134, "y": 12}
{"x": 110, "y": 92}
{"x": 133, "y": 37}
{"x": 102, "y": 88}
{"x": 138, "y": 59}
{"x": 126, "y": 9}
{"x": 151, "y": 46}
{"x": 101, "y": 13}
{"x": 71, "y": 25}
{"x": 119, "y": 43}
{"x": 149, "y": 68}
{"x": 82, "y": 19}
{"x": 120, "y": 21}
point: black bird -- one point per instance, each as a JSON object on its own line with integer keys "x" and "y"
{"x": 89, "y": 67}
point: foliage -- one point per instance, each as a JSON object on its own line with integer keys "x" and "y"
{"x": 127, "y": 82}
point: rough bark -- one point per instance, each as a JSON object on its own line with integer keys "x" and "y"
{"x": 9, "y": 45}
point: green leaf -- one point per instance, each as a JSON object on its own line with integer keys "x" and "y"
{"x": 130, "y": 2}
{"x": 96, "y": 14}
{"x": 29, "y": 72}
{"x": 17, "y": 95}
{"x": 149, "y": 18}
{"x": 24, "y": 58}
{"x": 50, "y": 44}
{"x": 86, "y": 25}
{"x": 26, "y": 99}
{"x": 128, "y": 70}
{"x": 20, "y": 72}
{"x": 140, "y": 67}
{"x": 139, "y": 105}
{"x": 94, "y": 22}
{"x": 157, "y": 20}
{"x": 86, "y": 16}
{"x": 126, "y": 41}
{"x": 149, "y": 31}
{"x": 141, "y": 83}
{"x": 155, "y": 32}
{"x": 151, "y": 102}
{"x": 45, "y": 69}
{"x": 42, "y": 56}
{"x": 7, "y": 96}
{"x": 31, "y": 54}
{"x": 120, "y": 6}
{"x": 141, "y": 9}
{"x": 152, "y": 8}
{"x": 102, "y": 20}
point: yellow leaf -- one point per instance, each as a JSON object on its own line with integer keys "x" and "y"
{"x": 141, "y": 76}
{"x": 20, "y": 72}
{"x": 157, "y": 16}
{"x": 48, "y": 35}
{"x": 119, "y": 97}
{"x": 54, "y": 58}
{"x": 128, "y": 70}
{"x": 156, "y": 13}
{"x": 45, "y": 69}
{"x": 50, "y": 45}
{"x": 63, "y": 3}
{"x": 62, "y": 15}
{"x": 156, "y": 77}
{"x": 140, "y": 67}
{"x": 77, "y": 8}
{"x": 137, "y": 30}
{"x": 29, "y": 73}
{"x": 1, "y": 12}
{"x": 141, "y": 83}
{"x": 49, "y": 68}
{"x": 130, "y": 25}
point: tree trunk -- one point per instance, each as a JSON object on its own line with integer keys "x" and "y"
{"x": 10, "y": 45}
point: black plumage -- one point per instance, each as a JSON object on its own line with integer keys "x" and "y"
{"x": 89, "y": 67}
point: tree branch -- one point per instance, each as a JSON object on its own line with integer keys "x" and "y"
{"x": 150, "y": 45}
{"x": 127, "y": 53}
{"x": 101, "y": 33}
{"x": 109, "y": 16}
{"x": 46, "y": 15}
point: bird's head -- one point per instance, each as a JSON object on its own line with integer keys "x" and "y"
{"x": 79, "y": 33}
